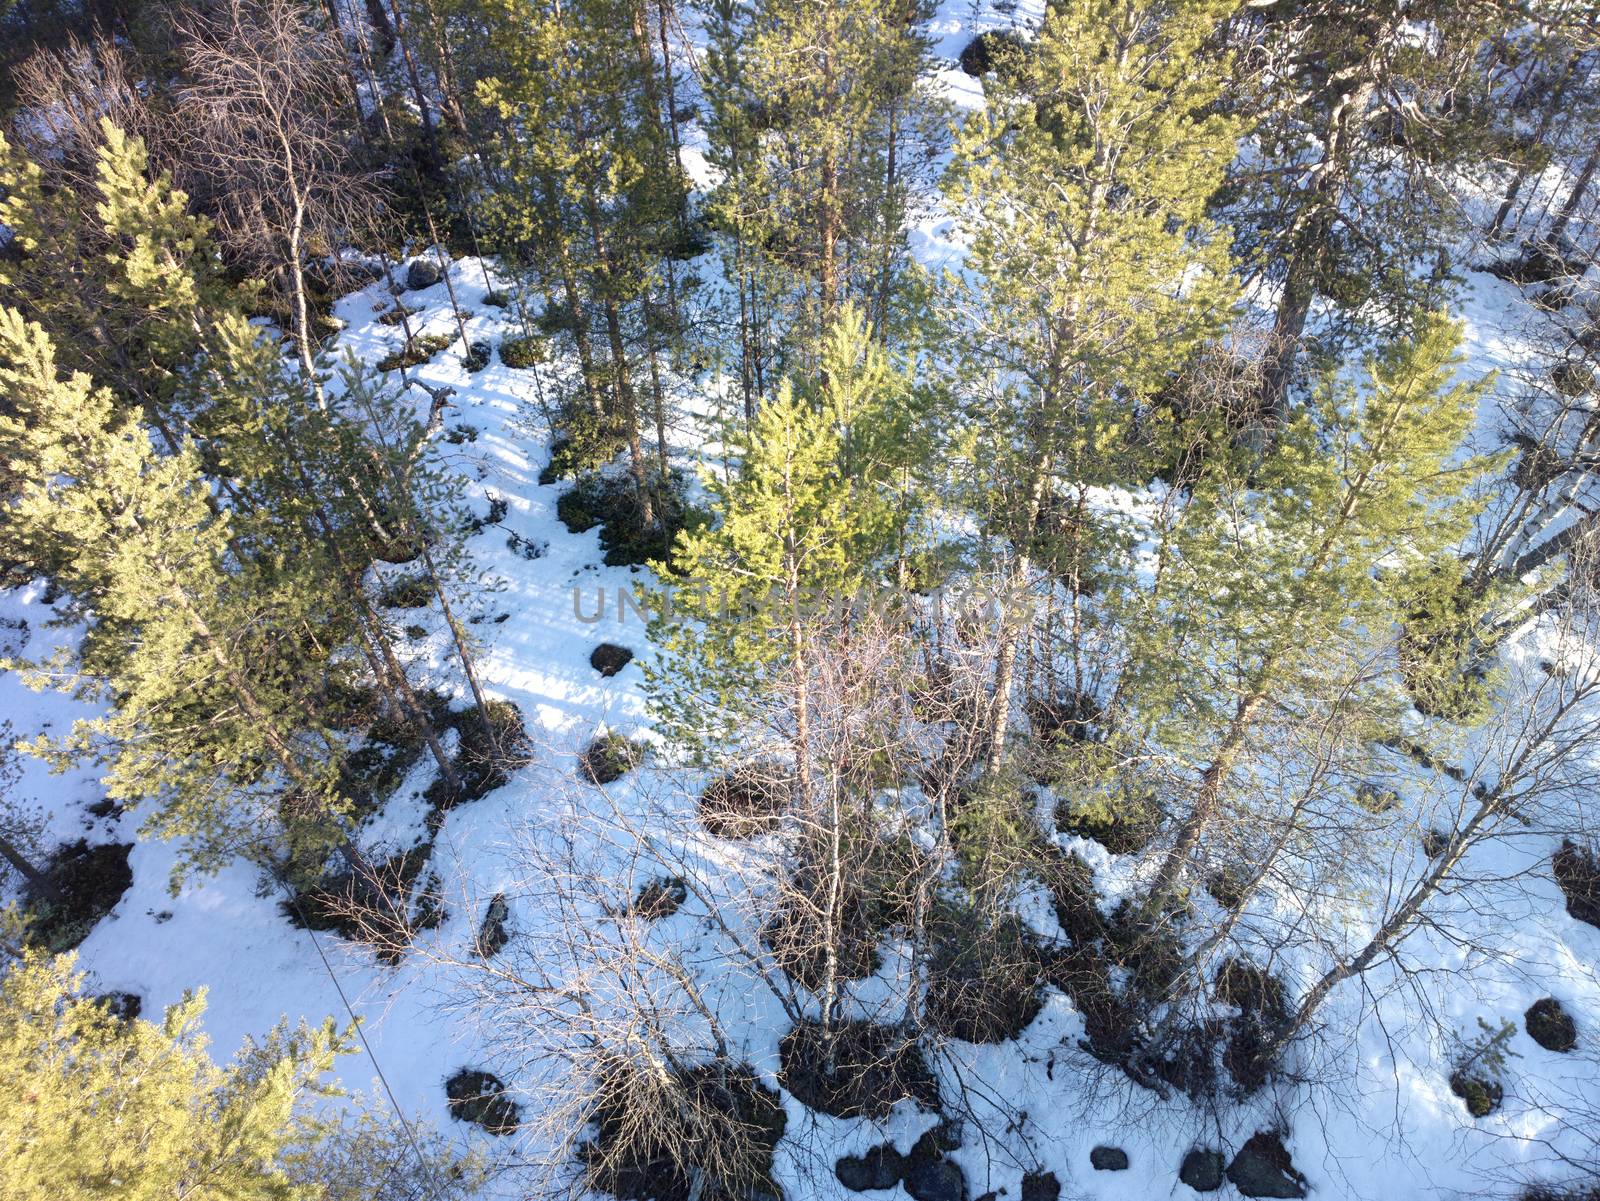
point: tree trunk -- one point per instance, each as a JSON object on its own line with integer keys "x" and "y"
{"x": 37, "y": 880}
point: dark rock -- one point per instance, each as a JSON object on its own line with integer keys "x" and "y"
{"x": 1550, "y": 1025}
{"x": 609, "y": 658}
{"x": 1108, "y": 1159}
{"x": 422, "y": 274}
{"x": 1040, "y": 1186}
{"x": 879, "y": 1168}
{"x": 1202, "y": 1170}
{"x": 1578, "y": 873}
{"x": 1262, "y": 1168}
{"x": 935, "y": 1180}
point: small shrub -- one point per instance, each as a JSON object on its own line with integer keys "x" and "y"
{"x": 1226, "y": 887}
{"x": 1550, "y": 1025}
{"x": 499, "y": 506}
{"x": 477, "y": 356}
{"x": 556, "y": 318}
{"x": 1572, "y": 378}
{"x": 690, "y": 240}
{"x": 480, "y": 768}
{"x": 524, "y": 352}
{"x": 497, "y": 298}
{"x": 480, "y": 1097}
{"x": 983, "y": 976}
{"x": 416, "y": 633}
{"x": 708, "y": 1132}
{"x": 1376, "y": 799}
{"x": 586, "y": 444}
{"x": 1071, "y": 884}
{"x": 748, "y": 801}
{"x": 459, "y": 435}
{"x": 527, "y": 548}
{"x": 1478, "y": 1067}
{"x": 124, "y": 1006}
{"x": 795, "y": 937}
{"x": 874, "y": 1067}
{"x": 1123, "y": 828}
{"x": 609, "y": 758}
{"x": 613, "y": 504}
{"x": 385, "y": 906}
{"x": 1436, "y": 648}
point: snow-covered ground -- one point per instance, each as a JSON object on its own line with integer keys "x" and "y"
{"x": 1383, "y": 1126}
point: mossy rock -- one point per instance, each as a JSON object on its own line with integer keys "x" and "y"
{"x": 82, "y": 883}
{"x": 524, "y": 352}
{"x": 1481, "y": 1094}
{"x": 480, "y": 1097}
{"x": 481, "y": 765}
{"x": 608, "y": 758}
{"x": 1263, "y": 1168}
{"x": 422, "y": 273}
{"x": 407, "y": 592}
{"x": 746, "y": 802}
{"x": 874, "y": 1068}
{"x": 1550, "y": 1025}
{"x": 415, "y": 352}
{"x": 397, "y": 314}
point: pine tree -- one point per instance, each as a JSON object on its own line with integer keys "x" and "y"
{"x": 1093, "y": 271}
{"x": 1288, "y": 575}
{"x": 93, "y": 1106}
{"x": 806, "y": 521}
{"x": 819, "y": 129}
{"x": 1366, "y": 110}
{"x": 216, "y": 661}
